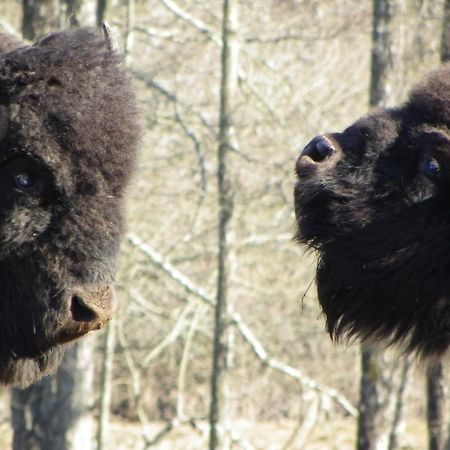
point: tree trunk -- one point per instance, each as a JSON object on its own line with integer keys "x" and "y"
{"x": 72, "y": 12}
{"x": 369, "y": 403}
{"x": 435, "y": 405}
{"x": 225, "y": 197}
{"x": 435, "y": 371}
{"x": 129, "y": 24}
{"x": 102, "y": 7}
{"x": 381, "y": 65}
{"x": 39, "y": 17}
{"x": 398, "y": 405}
{"x": 106, "y": 386}
{"x": 56, "y": 413}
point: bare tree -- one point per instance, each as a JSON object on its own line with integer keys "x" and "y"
{"x": 381, "y": 65}
{"x": 106, "y": 387}
{"x": 39, "y": 17}
{"x": 102, "y": 8}
{"x": 435, "y": 370}
{"x": 225, "y": 194}
{"x": 56, "y": 413}
{"x": 435, "y": 405}
{"x": 369, "y": 402}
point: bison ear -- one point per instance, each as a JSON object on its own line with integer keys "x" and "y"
{"x": 4, "y": 121}
{"x": 111, "y": 42}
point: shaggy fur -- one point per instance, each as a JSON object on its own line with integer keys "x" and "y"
{"x": 68, "y": 139}
{"x": 374, "y": 201}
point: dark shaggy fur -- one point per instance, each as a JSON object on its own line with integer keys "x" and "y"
{"x": 374, "y": 201}
{"x": 68, "y": 139}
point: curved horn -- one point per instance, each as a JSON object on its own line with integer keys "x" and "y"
{"x": 4, "y": 121}
{"x": 109, "y": 38}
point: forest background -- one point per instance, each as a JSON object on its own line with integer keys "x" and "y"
{"x": 229, "y": 92}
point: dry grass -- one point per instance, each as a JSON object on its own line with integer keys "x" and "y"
{"x": 335, "y": 434}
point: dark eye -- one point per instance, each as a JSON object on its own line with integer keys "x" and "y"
{"x": 23, "y": 181}
{"x": 430, "y": 167}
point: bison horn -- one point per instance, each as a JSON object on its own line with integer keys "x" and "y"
{"x": 4, "y": 121}
{"x": 109, "y": 38}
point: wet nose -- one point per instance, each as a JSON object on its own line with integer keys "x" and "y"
{"x": 322, "y": 152}
{"x": 89, "y": 309}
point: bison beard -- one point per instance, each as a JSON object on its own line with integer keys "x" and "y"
{"x": 374, "y": 202}
{"x": 68, "y": 138}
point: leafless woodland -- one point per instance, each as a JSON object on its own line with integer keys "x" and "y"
{"x": 300, "y": 67}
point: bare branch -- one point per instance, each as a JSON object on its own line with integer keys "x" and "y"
{"x": 186, "y": 17}
{"x": 304, "y": 428}
{"x": 169, "y": 339}
{"x": 245, "y": 331}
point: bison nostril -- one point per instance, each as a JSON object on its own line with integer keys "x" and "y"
{"x": 320, "y": 150}
{"x": 321, "y": 154}
{"x": 80, "y": 311}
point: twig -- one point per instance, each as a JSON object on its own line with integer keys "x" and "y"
{"x": 304, "y": 428}
{"x": 169, "y": 339}
{"x": 248, "y": 336}
{"x": 263, "y": 356}
{"x": 191, "y": 20}
{"x": 181, "y": 381}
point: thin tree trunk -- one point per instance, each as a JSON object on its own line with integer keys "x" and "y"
{"x": 129, "y": 24}
{"x": 102, "y": 7}
{"x": 435, "y": 405}
{"x": 398, "y": 406}
{"x": 28, "y": 19}
{"x": 435, "y": 371}
{"x": 381, "y": 65}
{"x": 106, "y": 386}
{"x": 56, "y": 413}
{"x": 39, "y": 17}
{"x": 369, "y": 403}
{"x": 72, "y": 12}
{"x": 225, "y": 194}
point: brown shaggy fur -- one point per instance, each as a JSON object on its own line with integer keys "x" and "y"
{"x": 65, "y": 160}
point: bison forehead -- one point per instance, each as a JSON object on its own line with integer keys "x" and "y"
{"x": 70, "y": 101}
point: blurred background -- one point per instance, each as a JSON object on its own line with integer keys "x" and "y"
{"x": 219, "y": 342}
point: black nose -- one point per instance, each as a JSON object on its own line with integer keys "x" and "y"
{"x": 318, "y": 149}
{"x": 321, "y": 152}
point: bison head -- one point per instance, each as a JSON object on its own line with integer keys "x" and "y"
{"x": 67, "y": 145}
{"x": 374, "y": 201}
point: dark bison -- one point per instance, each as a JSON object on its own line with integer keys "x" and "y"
{"x": 374, "y": 201}
{"x": 67, "y": 144}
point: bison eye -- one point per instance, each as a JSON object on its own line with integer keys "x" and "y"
{"x": 430, "y": 167}
{"x": 23, "y": 181}
{"x": 27, "y": 184}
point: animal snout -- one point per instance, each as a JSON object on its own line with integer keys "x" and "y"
{"x": 321, "y": 153}
{"x": 89, "y": 309}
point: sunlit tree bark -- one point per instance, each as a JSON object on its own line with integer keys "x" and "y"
{"x": 225, "y": 194}
{"x": 435, "y": 405}
{"x": 56, "y": 413}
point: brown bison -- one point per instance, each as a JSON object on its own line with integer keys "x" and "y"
{"x": 374, "y": 201}
{"x": 68, "y": 139}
